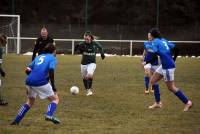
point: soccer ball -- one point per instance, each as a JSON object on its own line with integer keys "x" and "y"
{"x": 74, "y": 90}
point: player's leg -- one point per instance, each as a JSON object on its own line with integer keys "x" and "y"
{"x": 169, "y": 80}
{"x": 153, "y": 69}
{"x": 54, "y": 100}
{"x": 3, "y": 102}
{"x": 147, "y": 72}
{"x": 84, "y": 73}
{"x": 25, "y": 107}
{"x": 90, "y": 72}
{"x": 44, "y": 92}
{"x": 157, "y": 76}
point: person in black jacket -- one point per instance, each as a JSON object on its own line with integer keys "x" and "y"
{"x": 3, "y": 42}
{"x": 41, "y": 42}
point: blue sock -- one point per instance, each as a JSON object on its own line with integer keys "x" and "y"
{"x": 51, "y": 108}
{"x": 24, "y": 108}
{"x": 156, "y": 92}
{"x": 181, "y": 96}
{"x": 146, "y": 82}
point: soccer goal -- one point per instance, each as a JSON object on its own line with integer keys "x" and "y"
{"x": 10, "y": 26}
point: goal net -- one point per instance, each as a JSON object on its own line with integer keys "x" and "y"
{"x": 10, "y": 26}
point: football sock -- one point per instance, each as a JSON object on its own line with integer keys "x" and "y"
{"x": 89, "y": 83}
{"x": 146, "y": 82}
{"x": 156, "y": 92}
{"x": 85, "y": 83}
{"x": 23, "y": 110}
{"x": 51, "y": 108}
{"x": 181, "y": 96}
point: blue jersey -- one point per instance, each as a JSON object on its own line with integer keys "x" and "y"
{"x": 40, "y": 66}
{"x": 162, "y": 48}
{"x": 149, "y": 55}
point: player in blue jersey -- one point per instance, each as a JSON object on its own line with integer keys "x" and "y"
{"x": 162, "y": 47}
{"x": 37, "y": 83}
{"x": 150, "y": 64}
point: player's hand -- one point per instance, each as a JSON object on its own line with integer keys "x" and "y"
{"x": 3, "y": 74}
{"x": 102, "y": 56}
{"x": 28, "y": 70}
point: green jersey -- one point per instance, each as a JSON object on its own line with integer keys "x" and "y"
{"x": 89, "y": 51}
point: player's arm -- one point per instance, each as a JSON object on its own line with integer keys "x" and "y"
{"x": 3, "y": 74}
{"x": 35, "y": 50}
{"x": 153, "y": 58}
{"x": 79, "y": 47}
{"x": 51, "y": 40}
{"x": 153, "y": 48}
{"x": 100, "y": 48}
{"x": 51, "y": 77}
{"x": 51, "y": 74}
{"x": 29, "y": 67}
{"x": 174, "y": 50}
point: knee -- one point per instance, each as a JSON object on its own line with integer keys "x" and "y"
{"x": 152, "y": 82}
{"x": 89, "y": 76}
{"x": 55, "y": 99}
{"x": 30, "y": 102}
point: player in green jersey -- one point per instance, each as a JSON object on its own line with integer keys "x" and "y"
{"x": 3, "y": 42}
{"x": 88, "y": 48}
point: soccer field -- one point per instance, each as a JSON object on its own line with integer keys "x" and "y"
{"x": 119, "y": 105}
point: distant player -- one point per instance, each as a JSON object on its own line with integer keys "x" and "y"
{"x": 162, "y": 47}
{"x": 41, "y": 42}
{"x": 37, "y": 83}
{"x": 150, "y": 64}
{"x": 3, "y": 42}
{"x": 88, "y": 49}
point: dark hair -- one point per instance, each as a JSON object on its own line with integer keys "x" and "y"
{"x": 3, "y": 39}
{"x": 155, "y": 32}
{"x": 89, "y": 34}
{"x": 49, "y": 48}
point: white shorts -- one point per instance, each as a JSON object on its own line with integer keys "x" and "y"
{"x": 42, "y": 91}
{"x": 88, "y": 69}
{"x": 168, "y": 74}
{"x": 149, "y": 66}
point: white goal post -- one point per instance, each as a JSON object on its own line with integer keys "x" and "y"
{"x": 17, "y": 36}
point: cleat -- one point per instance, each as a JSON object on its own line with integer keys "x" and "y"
{"x": 156, "y": 105}
{"x": 89, "y": 92}
{"x": 3, "y": 102}
{"x": 14, "y": 123}
{"x": 146, "y": 91}
{"x": 151, "y": 90}
{"x": 188, "y": 105}
{"x": 52, "y": 119}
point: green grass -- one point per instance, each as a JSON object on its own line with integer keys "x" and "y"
{"x": 119, "y": 105}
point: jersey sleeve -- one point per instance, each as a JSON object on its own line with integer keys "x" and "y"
{"x": 171, "y": 45}
{"x": 31, "y": 64}
{"x": 35, "y": 50}
{"x": 152, "y": 47}
{"x": 145, "y": 43}
{"x": 99, "y": 47}
{"x": 53, "y": 63}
